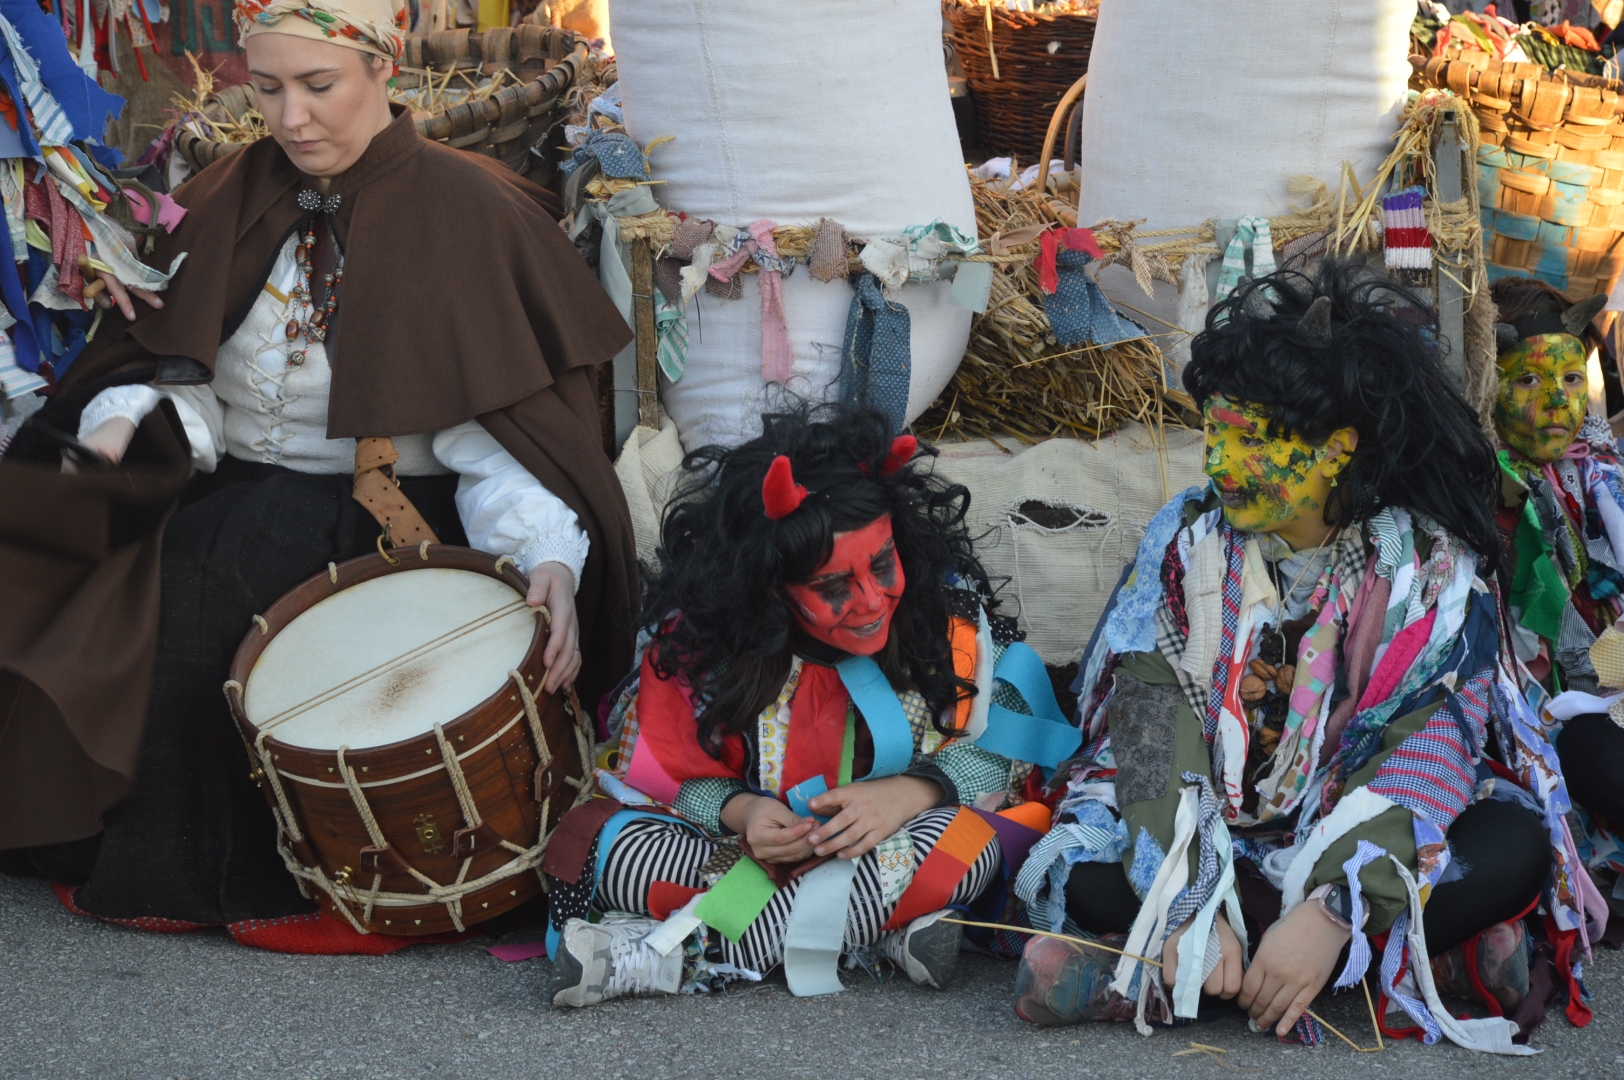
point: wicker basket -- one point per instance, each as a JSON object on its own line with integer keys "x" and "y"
{"x": 510, "y": 123}
{"x": 1550, "y": 171}
{"x": 1039, "y": 56}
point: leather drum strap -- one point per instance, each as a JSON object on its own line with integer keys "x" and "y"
{"x": 376, "y": 489}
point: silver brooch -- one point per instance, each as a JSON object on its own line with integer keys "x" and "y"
{"x": 311, "y": 201}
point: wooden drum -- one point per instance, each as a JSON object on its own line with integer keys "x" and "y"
{"x": 396, "y": 723}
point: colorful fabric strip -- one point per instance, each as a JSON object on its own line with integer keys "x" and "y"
{"x": 933, "y": 883}
{"x": 733, "y": 903}
{"x": 817, "y": 928}
{"x": 887, "y": 722}
{"x": 1044, "y": 738}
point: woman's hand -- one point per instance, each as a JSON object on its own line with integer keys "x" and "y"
{"x": 110, "y": 439}
{"x": 864, "y": 813}
{"x": 1225, "y": 980}
{"x": 107, "y": 291}
{"x": 1291, "y": 966}
{"x": 553, "y": 585}
{"x": 776, "y": 833}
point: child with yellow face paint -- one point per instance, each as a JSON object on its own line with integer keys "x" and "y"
{"x": 1281, "y": 485}
{"x": 1294, "y": 669}
{"x": 1562, "y": 513}
{"x": 1543, "y": 395}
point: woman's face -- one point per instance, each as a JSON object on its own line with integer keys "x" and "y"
{"x": 849, "y": 600}
{"x": 322, "y": 102}
{"x": 1543, "y": 395}
{"x": 1268, "y": 484}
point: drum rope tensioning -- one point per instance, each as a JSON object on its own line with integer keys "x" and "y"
{"x": 330, "y": 846}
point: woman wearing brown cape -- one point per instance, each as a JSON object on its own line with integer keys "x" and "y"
{"x": 458, "y": 321}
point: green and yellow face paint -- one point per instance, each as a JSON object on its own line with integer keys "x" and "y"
{"x": 1543, "y": 395}
{"x": 1267, "y": 484}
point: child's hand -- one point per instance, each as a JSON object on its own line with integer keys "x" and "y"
{"x": 1293, "y": 963}
{"x": 776, "y": 833}
{"x": 864, "y": 813}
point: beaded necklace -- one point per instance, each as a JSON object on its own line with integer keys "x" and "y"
{"x": 311, "y": 324}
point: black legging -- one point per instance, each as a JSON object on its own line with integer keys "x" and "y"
{"x": 1504, "y": 850}
{"x": 1592, "y": 751}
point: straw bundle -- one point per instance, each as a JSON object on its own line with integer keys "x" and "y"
{"x": 1015, "y": 379}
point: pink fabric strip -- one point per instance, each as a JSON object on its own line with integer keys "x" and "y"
{"x": 777, "y": 357}
{"x": 512, "y": 953}
{"x": 724, "y": 270}
{"x": 170, "y": 212}
{"x": 649, "y": 777}
{"x": 1407, "y": 645}
{"x": 1359, "y": 652}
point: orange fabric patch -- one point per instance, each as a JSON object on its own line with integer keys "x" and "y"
{"x": 966, "y": 837}
{"x": 961, "y": 638}
{"x": 1034, "y": 815}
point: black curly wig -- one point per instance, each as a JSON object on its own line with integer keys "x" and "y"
{"x": 722, "y": 563}
{"x": 1376, "y": 371}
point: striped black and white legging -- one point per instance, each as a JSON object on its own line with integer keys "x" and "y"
{"x": 647, "y": 851}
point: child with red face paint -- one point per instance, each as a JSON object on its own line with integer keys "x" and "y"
{"x": 819, "y": 752}
{"x": 1293, "y": 700}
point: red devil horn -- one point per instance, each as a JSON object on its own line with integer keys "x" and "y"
{"x": 903, "y": 448}
{"x": 780, "y": 494}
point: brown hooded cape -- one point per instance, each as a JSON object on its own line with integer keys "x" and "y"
{"x": 462, "y": 299}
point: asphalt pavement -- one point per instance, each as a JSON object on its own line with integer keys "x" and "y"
{"x": 79, "y": 998}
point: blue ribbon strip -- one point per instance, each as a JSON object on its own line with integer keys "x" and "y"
{"x": 801, "y": 795}
{"x": 1044, "y": 738}
{"x": 887, "y": 723}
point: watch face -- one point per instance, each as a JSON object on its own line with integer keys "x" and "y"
{"x": 1340, "y": 901}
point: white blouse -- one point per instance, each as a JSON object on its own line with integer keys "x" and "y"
{"x": 258, "y": 408}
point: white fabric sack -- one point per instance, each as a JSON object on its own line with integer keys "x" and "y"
{"x": 1199, "y": 109}
{"x": 1057, "y": 579}
{"x": 795, "y": 112}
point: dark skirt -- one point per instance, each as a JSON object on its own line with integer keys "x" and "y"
{"x": 195, "y": 840}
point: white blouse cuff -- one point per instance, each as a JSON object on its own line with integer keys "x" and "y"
{"x": 560, "y": 547}
{"x": 131, "y": 403}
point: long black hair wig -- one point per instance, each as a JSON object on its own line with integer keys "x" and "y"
{"x": 722, "y": 563}
{"x": 1375, "y": 368}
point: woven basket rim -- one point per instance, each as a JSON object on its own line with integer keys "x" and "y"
{"x": 465, "y": 119}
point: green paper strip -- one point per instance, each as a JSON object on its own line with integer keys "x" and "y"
{"x": 733, "y": 903}
{"x": 848, "y": 747}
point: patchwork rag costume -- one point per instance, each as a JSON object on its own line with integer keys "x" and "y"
{"x": 127, "y": 590}
{"x": 654, "y": 844}
{"x": 1261, "y": 723}
{"x": 1563, "y": 523}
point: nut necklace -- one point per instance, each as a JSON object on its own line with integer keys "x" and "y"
{"x": 312, "y": 323}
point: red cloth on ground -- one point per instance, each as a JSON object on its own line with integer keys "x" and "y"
{"x": 316, "y": 934}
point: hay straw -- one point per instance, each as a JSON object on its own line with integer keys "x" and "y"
{"x": 1016, "y": 379}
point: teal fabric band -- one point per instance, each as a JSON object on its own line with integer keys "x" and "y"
{"x": 1044, "y": 738}
{"x": 887, "y": 723}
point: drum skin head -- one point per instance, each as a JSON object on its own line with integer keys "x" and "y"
{"x": 385, "y": 660}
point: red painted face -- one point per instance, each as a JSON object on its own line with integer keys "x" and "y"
{"x": 849, "y": 600}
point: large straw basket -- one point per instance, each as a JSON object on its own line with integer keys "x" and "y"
{"x": 1550, "y": 170}
{"x": 1038, "y": 55}
{"x": 508, "y": 125}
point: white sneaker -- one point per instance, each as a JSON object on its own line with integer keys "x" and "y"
{"x": 927, "y": 949}
{"x": 599, "y": 961}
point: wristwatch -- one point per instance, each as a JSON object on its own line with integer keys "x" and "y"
{"x": 1336, "y": 901}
